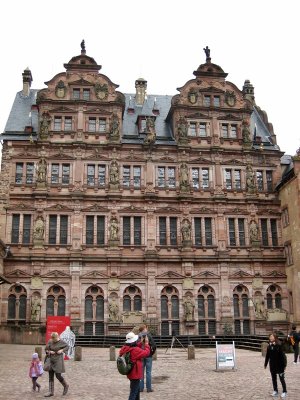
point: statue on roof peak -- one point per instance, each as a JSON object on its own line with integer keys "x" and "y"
{"x": 82, "y": 44}
{"x": 207, "y": 52}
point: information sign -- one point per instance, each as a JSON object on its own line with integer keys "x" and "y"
{"x": 225, "y": 356}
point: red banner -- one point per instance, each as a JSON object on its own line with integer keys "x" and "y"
{"x": 56, "y": 324}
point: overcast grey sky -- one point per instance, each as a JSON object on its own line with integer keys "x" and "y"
{"x": 163, "y": 42}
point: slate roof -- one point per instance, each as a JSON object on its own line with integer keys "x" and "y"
{"x": 258, "y": 128}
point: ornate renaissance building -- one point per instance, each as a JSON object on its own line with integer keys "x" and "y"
{"x": 121, "y": 208}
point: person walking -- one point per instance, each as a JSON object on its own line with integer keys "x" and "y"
{"x": 136, "y": 356}
{"x": 35, "y": 370}
{"x": 294, "y": 339}
{"x": 277, "y": 361}
{"x": 55, "y": 349}
{"x": 147, "y": 361}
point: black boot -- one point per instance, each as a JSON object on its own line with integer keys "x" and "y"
{"x": 51, "y": 389}
{"x": 66, "y": 387}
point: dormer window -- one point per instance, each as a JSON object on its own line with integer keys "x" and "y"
{"x": 86, "y": 94}
{"x": 217, "y": 101}
{"x": 76, "y": 94}
{"x": 142, "y": 125}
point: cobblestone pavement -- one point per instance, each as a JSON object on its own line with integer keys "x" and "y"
{"x": 95, "y": 377}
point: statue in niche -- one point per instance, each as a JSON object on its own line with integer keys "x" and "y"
{"x": 253, "y": 231}
{"x": 150, "y": 131}
{"x": 246, "y": 132}
{"x": 182, "y": 128}
{"x": 250, "y": 178}
{"x": 35, "y": 309}
{"x": 186, "y": 230}
{"x": 44, "y": 124}
{"x": 184, "y": 175}
{"x": 42, "y": 171}
{"x": 259, "y": 306}
{"x": 114, "y": 130}
{"x": 113, "y": 310}
{"x": 114, "y": 173}
{"x": 189, "y": 306}
{"x": 39, "y": 229}
{"x": 114, "y": 229}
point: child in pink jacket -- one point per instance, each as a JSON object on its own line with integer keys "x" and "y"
{"x": 35, "y": 370}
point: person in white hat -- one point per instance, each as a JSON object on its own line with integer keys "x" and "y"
{"x": 35, "y": 370}
{"x": 136, "y": 355}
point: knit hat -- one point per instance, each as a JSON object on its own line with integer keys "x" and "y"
{"x": 35, "y": 355}
{"x": 131, "y": 337}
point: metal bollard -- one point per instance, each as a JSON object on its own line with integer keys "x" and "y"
{"x": 112, "y": 353}
{"x": 264, "y": 347}
{"x": 39, "y": 351}
{"x": 78, "y": 353}
{"x": 191, "y": 352}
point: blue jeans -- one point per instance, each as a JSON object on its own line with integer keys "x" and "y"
{"x": 134, "y": 389}
{"x": 147, "y": 363}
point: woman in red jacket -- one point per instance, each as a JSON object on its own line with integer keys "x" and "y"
{"x": 136, "y": 355}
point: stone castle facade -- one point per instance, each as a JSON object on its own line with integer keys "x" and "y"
{"x": 121, "y": 208}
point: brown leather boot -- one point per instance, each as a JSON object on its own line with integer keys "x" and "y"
{"x": 66, "y": 387}
{"x": 51, "y": 389}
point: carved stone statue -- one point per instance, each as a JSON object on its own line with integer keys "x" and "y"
{"x": 113, "y": 310}
{"x": 44, "y": 124}
{"x": 35, "y": 309}
{"x": 114, "y": 229}
{"x": 186, "y": 230}
{"x": 189, "y": 306}
{"x": 207, "y": 51}
{"x": 114, "y": 130}
{"x": 114, "y": 173}
{"x": 253, "y": 230}
{"x": 42, "y": 171}
{"x": 250, "y": 179}
{"x": 150, "y": 131}
{"x": 69, "y": 337}
{"x": 39, "y": 229}
{"x": 182, "y": 128}
{"x": 259, "y": 306}
{"x": 246, "y": 132}
{"x": 184, "y": 175}
{"x": 82, "y": 45}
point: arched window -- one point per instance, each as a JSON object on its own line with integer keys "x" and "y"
{"x": 269, "y": 301}
{"x": 132, "y": 299}
{"x": 169, "y": 312}
{"x": 94, "y": 311}
{"x": 56, "y": 301}
{"x": 17, "y": 304}
{"x": 206, "y": 310}
{"x": 278, "y": 303}
{"x": 274, "y": 298}
{"x": 241, "y": 310}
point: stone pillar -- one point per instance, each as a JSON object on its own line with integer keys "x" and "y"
{"x": 39, "y": 351}
{"x": 264, "y": 347}
{"x": 112, "y": 353}
{"x": 191, "y": 352}
{"x": 75, "y": 269}
{"x": 78, "y": 353}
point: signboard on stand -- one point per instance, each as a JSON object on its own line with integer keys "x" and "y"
{"x": 225, "y": 356}
{"x": 56, "y": 324}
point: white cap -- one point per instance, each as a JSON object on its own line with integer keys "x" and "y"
{"x": 131, "y": 337}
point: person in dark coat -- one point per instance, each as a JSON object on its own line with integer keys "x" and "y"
{"x": 147, "y": 361}
{"x": 136, "y": 356}
{"x": 55, "y": 349}
{"x": 296, "y": 339}
{"x": 276, "y": 359}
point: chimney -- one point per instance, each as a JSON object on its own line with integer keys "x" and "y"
{"x": 248, "y": 91}
{"x": 140, "y": 91}
{"x": 27, "y": 79}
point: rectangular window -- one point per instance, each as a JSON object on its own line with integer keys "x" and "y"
{"x": 29, "y": 173}
{"x": 161, "y": 177}
{"x": 86, "y": 94}
{"x": 288, "y": 254}
{"x": 166, "y": 177}
{"x": 100, "y": 230}
{"x": 162, "y": 231}
{"x": 26, "y": 229}
{"x": 137, "y": 177}
{"x": 195, "y": 178}
{"x": 15, "y": 228}
{"x": 171, "y": 177}
{"x": 274, "y": 234}
{"x": 225, "y": 130}
{"x": 208, "y": 231}
{"x": 264, "y": 232}
{"x": 19, "y": 173}
{"x": 228, "y": 179}
{"x": 241, "y": 226}
{"x": 68, "y": 123}
{"x": 205, "y": 178}
{"x": 126, "y": 176}
{"x": 92, "y": 125}
{"x": 76, "y": 94}
{"x": 216, "y": 101}
{"x": 198, "y": 234}
{"x": 237, "y": 179}
{"x": 202, "y": 129}
{"x": 101, "y": 175}
{"x": 192, "y": 129}
{"x": 269, "y": 178}
{"x": 259, "y": 181}
{"x": 52, "y": 229}
{"x": 137, "y": 231}
{"x": 126, "y": 231}
{"x": 102, "y": 125}
{"x": 207, "y": 101}
{"x": 233, "y": 131}
{"x": 54, "y": 174}
{"x": 173, "y": 231}
{"x": 65, "y": 174}
{"x": 63, "y": 232}
{"x": 231, "y": 227}
{"x": 89, "y": 231}
{"x": 57, "y": 123}
{"x": 91, "y": 175}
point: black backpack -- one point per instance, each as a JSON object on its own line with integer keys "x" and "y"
{"x": 124, "y": 364}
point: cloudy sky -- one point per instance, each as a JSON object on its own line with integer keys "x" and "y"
{"x": 161, "y": 41}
